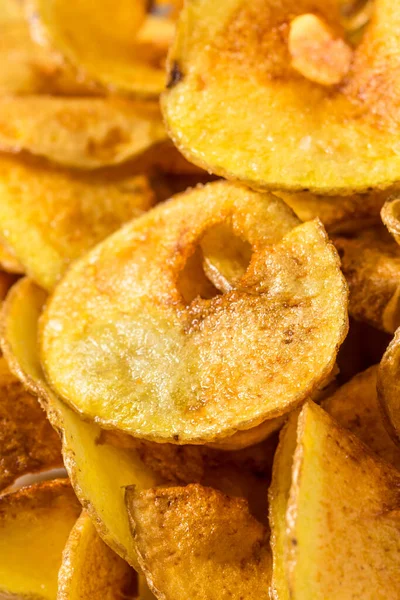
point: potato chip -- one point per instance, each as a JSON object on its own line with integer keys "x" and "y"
{"x": 371, "y": 265}
{"x": 329, "y": 543}
{"x": 121, "y": 344}
{"x": 90, "y": 570}
{"x": 195, "y": 542}
{"x": 127, "y": 56}
{"x": 28, "y": 444}
{"x": 390, "y": 214}
{"x": 35, "y": 523}
{"x": 50, "y": 217}
{"x": 79, "y": 132}
{"x": 8, "y": 261}
{"x": 98, "y": 472}
{"x": 236, "y": 105}
{"x": 355, "y": 406}
{"x": 388, "y": 385}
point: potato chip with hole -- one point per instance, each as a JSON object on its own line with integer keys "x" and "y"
{"x": 28, "y": 444}
{"x": 122, "y": 346}
{"x": 371, "y": 265}
{"x": 127, "y": 56}
{"x": 195, "y": 542}
{"x": 388, "y": 385}
{"x": 98, "y": 472}
{"x": 238, "y": 104}
{"x": 79, "y": 132}
{"x": 356, "y": 407}
{"x": 50, "y": 217}
{"x": 35, "y": 523}
{"x": 320, "y": 528}
{"x": 90, "y": 570}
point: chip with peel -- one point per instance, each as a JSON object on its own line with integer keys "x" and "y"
{"x": 49, "y": 216}
{"x": 236, "y": 105}
{"x": 28, "y": 444}
{"x": 35, "y": 523}
{"x": 195, "y": 542}
{"x": 98, "y": 472}
{"x": 90, "y": 570}
{"x": 86, "y": 133}
{"x": 122, "y": 345}
{"x": 319, "y": 526}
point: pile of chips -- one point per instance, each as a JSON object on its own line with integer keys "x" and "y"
{"x": 200, "y": 287}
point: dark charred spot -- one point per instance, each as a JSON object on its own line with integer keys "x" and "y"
{"x": 175, "y": 75}
{"x": 176, "y": 438}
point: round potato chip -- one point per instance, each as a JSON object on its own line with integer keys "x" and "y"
{"x": 49, "y": 217}
{"x": 131, "y": 341}
{"x": 79, "y": 132}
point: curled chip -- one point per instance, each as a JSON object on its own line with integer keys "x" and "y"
{"x": 98, "y": 472}
{"x": 270, "y": 94}
{"x": 127, "y": 56}
{"x": 28, "y": 444}
{"x": 79, "y": 132}
{"x": 35, "y": 523}
{"x": 50, "y": 217}
{"x": 90, "y": 570}
{"x": 195, "y": 542}
{"x": 356, "y": 407}
{"x": 131, "y": 341}
{"x": 371, "y": 265}
{"x": 320, "y": 528}
{"x": 388, "y": 385}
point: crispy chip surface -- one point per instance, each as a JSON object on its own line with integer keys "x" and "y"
{"x": 195, "y": 542}
{"x": 79, "y": 132}
{"x": 34, "y": 526}
{"x": 98, "y": 472}
{"x": 49, "y": 217}
{"x": 136, "y": 357}
{"x": 236, "y": 105}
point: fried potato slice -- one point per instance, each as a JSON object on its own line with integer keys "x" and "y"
{"x": 334, "y": 545}
{"x": 50, "y": 217}
{"x": 195, "y": 542}
{"x": 8, "y": 261}
{"x": 128, "y": 56}
{"x": 270, "y": 138}
{"x": 390, "y": 214}
{"x": 199, "y": 371}
{"x": 79, "y": 132}
{"x": 388, "y": 385}
{"x": 90, "y": 570}
{"x": 356, "y": 407}
{"x": 35, "y": 523}
{"x": 98, "y": 472}
{"x": 339, "y": 214}
{"x": 28, "y": 444}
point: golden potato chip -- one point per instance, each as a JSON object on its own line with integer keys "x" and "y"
{"x": 236, "y": 105}
{"x": 121, "y": 345}
{"x": 390, "y": 214}
{"x": 371, "y": 265}
{"x": 195, "y": 542}
{"x": 28, "y": 444}
{"x": 35, "y": 523}
{"x": 90, "y": 570}
{"x": 337, "y": 507}
{"x": 98, "y": 472}
{"x": 79, "y": 132}
{"x": 50, "y": 217}
{"x": 126, "y": 56}
{"x": 8, "y": 261}
{"x": 356, "y": 407}
{"x": 388, "y": 386}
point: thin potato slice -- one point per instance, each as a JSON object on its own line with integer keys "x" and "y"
{"x": 335, "y": 545}
{"x": 90, "y": 570}
{"x": 28, "y": 444}
{"x": 79, "y": 132}
{"x": 127, "y": 56}
{"x": 197, "y": 543}
{"x": 390, "y": 214}
{"x": 34, "y": 526}
{"x": 50, "y": 217}
{"x": 8, "y": 261}
{"x": 371, "y": 265}
{"x": 199, "y": 371}
{"x": 388, "y": 385}
{"x": 98, "y": 472}
{"x": 282, "y": 130}
{"x": 356, "y": 407}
